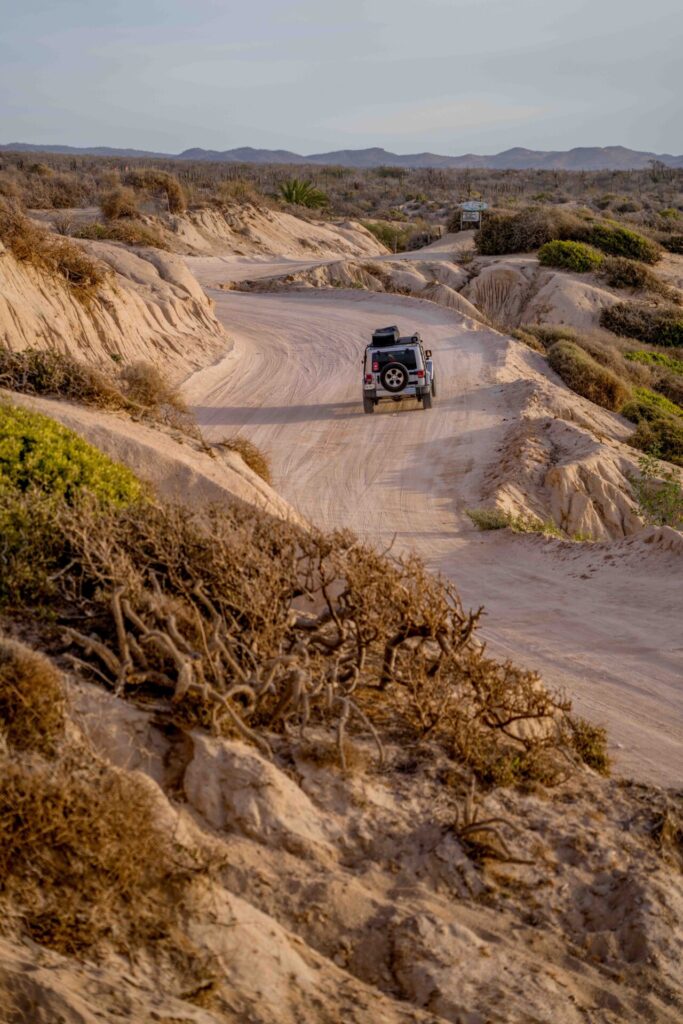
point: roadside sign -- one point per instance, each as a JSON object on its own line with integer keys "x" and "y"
{"x": 473, "y": 205}
{"x": 470, "y": 216}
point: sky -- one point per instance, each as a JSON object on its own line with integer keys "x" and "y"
{"x": 448, "y": 76}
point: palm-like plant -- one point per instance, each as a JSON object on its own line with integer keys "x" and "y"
{"x": 303, "y": 193}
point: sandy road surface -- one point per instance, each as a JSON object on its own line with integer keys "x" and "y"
{"x": 599, "y": 620}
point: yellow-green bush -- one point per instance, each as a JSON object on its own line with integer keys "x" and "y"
{"x": 587, "y": 377}
{"x": 648, "y": 405}
{"x": 576, "y": 256}
{"x": 657, "y": 359}
{"x": 36, "y": 453}
{"x": 620, "y": 241}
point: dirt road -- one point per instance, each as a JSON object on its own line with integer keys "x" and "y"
{"x": 599, "y": 620}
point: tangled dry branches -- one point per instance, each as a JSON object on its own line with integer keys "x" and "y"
{"x": 246, "y": 625}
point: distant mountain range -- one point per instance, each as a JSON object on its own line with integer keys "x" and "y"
{"x": 582, "y": 158}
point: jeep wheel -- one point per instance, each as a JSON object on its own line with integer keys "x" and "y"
{"x": 394, "y": 377}
{"x": 368, "y": 404}
{"x": 427, "y": 401}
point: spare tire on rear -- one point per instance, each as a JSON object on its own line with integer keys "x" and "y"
{"x": 394, "y": 377}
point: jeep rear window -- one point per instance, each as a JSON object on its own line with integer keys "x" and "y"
{"x": 405, "y": 356}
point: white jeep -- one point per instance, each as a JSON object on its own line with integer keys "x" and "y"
{"x": 396, "y": 368}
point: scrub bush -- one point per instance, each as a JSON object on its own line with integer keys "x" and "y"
{"x": 658, "y": 325}
{"x": 574, "y": 256}
{"x": 587, "y": 377}
{"x": 619, "y": 241}
{"x": 39, "y": 454}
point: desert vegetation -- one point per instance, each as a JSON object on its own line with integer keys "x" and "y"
{"x": 303, "y": 193}
{"x": 499, "y": 519}
{"x": 250, "y": 453}
{"x": 384, "y": 193}
{"x": 55, "y": 256}
{"x": 38, "y": 454}
{"x": 201, "y": 608}
{"x": 644, "y": 385}
{"x": 583, "y": 374}
{"x": 574, "y": 256}
{"x": 657, "y": 324}
{"x": 83, "y": 862}
{"x": 139, "y": 388}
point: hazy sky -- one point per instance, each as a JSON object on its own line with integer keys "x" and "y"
{"x": 449, "y": 76}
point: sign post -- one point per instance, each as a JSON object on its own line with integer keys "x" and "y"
{"x": 470, "y": 213}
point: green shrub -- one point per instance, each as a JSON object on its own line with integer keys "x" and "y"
{"x": 648, "y": 405}
{"x": 39, "y": 454}
{"x": 303, "y": 193}
{"x": 497, "y": 519}
{"x": 587, "y": 377}
{"x": 662, "y": 359}
{"x": 570, "y": 256}
{"x": 395, "y": 237}
{"x": 532, "y": 227}
{"x": 618, "y": 241}
{"x": 658, "y": 493}
{"x": 661, "y": 436}
{"x": 620, "y": 272}
{"x": 130, "y": 232}
{"x": 658, "y": 325}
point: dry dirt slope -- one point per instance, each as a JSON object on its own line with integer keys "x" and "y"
{"x": 598, "y": 619}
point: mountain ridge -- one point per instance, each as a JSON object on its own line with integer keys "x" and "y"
{"x": 579, "y": 158}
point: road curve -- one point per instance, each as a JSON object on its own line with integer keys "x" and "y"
{"x": 581, "y": 614}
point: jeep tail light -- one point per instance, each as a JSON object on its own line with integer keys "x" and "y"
{"x": 420, "y": 373}
{"x": 368, "y": 378}
{"x": 375, "y": 367}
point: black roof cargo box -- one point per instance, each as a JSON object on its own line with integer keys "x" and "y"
{"x": 386, "y": 336}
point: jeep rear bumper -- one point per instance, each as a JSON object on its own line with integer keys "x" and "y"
{"x": 412, "y": 391}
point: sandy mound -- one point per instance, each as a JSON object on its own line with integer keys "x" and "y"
{"x": 563, "y": 459}
{"x": 507, "y": 291}
{"x": 437, "y": 281}
{"x": 515, "y": 290}
{"x": 352, "y": 897}
{"x": 151, "y": 308}
{"x": 248, "y": 230}
{"x": 176, "y": 466}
